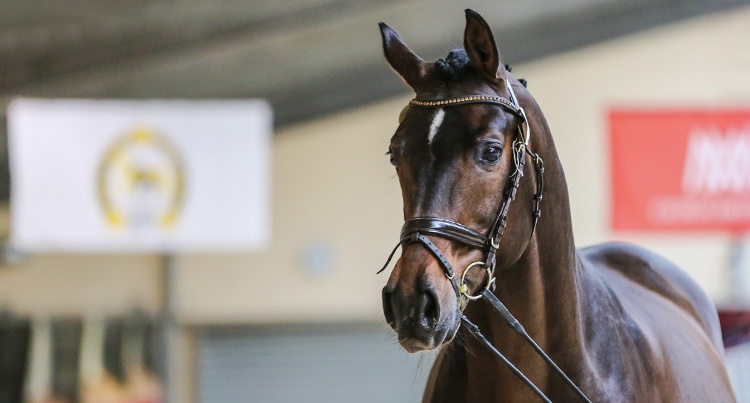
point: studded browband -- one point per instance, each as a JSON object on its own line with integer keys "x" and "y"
{"x": 471, "y": 99}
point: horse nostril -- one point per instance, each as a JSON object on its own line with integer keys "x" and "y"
{"x": 431, "y": 307}
{"x": 388, "y": 292}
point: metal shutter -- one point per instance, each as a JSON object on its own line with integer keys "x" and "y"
{"x": 357, "y": 363}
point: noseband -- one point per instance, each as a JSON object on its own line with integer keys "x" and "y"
{"x": 416, "y": 230}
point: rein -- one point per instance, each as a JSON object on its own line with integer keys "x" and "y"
{"x": 415, "y": 230}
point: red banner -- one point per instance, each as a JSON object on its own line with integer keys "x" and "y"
{"x": 680, "y": 170}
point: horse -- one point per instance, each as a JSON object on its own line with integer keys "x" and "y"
{"x": 623, "y": 323}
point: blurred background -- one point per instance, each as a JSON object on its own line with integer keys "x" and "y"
{"x": 297, "y": 317}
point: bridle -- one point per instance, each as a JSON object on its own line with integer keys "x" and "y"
{"x": 416, "y": 230}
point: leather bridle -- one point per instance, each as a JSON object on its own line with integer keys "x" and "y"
{"x": 416, "y": 230}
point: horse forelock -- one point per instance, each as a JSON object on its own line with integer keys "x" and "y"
{"x": 453, "y": 66}
{"x": 455, "y": 76}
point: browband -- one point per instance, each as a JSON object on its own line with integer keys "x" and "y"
{"x": 471, "y": 99}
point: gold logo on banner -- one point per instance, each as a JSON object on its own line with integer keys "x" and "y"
{"x": 141, "y": 181}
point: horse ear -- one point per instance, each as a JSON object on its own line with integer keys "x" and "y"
{"x": 481, "y": 48}
{"x": 402, "y": 59}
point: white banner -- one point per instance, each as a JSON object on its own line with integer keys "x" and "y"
{"x": 139, "y": 176}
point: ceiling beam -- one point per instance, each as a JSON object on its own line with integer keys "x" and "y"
{"x": 309, "y": 60}
{"x": 322, "y": 58}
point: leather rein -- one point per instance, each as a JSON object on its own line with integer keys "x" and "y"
{"x": 416, "y": 230}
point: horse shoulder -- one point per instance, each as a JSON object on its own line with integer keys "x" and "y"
{"x": 675, "y": 317}
{"x": 660, "y": 276}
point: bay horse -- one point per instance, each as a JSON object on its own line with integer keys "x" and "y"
{"x": 623, "y": 323}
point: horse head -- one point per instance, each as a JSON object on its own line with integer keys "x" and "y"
{"x": 454, "y": 162}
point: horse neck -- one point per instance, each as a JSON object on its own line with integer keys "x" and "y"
{"x": 542, "y": 283}
{"x": 541, "y": 286}
{"x": 540, "y": 289}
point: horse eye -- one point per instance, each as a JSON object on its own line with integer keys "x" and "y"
{"x": 391, "y": 157}
{"x": 491, "y": 154}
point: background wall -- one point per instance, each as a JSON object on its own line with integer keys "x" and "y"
{"x": 334, "y": 188}
{"x": 337, "y": 205}
{"x": 65, "y": 284}
{"x": 700, "y": 63}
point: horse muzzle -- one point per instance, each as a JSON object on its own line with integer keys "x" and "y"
{"x": 422, "y": 318}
